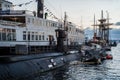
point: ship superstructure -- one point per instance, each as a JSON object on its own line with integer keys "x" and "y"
{"x": 5, "y": 5}
{"x": 22, "y": 28}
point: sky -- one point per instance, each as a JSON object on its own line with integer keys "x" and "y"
{"x": 80, "y": 12}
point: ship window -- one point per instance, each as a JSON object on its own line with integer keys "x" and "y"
{"x": 24, "y": 32}
{"x": 32, "y": 20}
{"x": 5, "y": 5}
{"x": 70, "y": 28}
{"x": 40, "y": 22}
{"x": 0, "y": 34}
{"x": 28, "y": 20}
{"x": 24, "y": 35}
{"x": 32, "y": 35}
{"x": 28, "y": 35}
{"x": 39, "y": 37}
{"x": 43, "y": 37}
{"x": 47, "y": 39}
{"x": 8, "y": 35}
{"x": 4, "y": 34}
{"x": 37, "y": 21}
{"x": 13, "y": 36}
{"x": 0, "y": 6}
{"x": 36, "y": 37}
{"x": 43, "y": 23}
{"x": 51, "y": 24}
{"x": 46, "y": 23}
{"x": 60, "y": 25}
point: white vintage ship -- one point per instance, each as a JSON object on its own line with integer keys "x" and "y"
{"x": 31, "y": 45}
{"x": 24, "y": 28}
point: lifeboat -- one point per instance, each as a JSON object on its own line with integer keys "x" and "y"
{"x": 109, "y": 56}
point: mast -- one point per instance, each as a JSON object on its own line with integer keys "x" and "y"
{"x": 40, "y": 10}
{"x": 66, "y": 27}
{"x": 104, "y": 28}
{"x": 94, "y": 23}
{"x": 108, "y": 25}
{"x": 94, "y": 29}
{"x": 65, "y": 21}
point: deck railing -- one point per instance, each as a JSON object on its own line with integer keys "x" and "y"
{"x": 17, "y": 12}
{"x": 10, "y": 23}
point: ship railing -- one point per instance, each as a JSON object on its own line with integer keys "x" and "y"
{"x": 10, "y": 23}
{"x": 18, "y": 12}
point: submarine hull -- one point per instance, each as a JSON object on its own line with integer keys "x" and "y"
{"x": 31, "y": 69}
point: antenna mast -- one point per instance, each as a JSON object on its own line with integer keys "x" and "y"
{"x": 65, "y": 21}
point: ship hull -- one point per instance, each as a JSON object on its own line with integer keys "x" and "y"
{"x": 30, "y": 67}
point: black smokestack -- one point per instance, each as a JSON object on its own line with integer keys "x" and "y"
{"x": 40, "y": 7}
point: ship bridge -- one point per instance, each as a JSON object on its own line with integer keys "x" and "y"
{"x": 14, "y": 17}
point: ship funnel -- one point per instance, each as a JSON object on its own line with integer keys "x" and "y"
{"x": 40, "y": 10}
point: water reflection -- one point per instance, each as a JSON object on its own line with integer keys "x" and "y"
{"x": 108, "y": 70}
{"x": 57, "y": 74}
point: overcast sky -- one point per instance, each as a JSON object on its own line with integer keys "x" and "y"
{"x": 79, "y": 8}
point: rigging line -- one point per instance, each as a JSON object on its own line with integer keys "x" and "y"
{"x": 72, "y": 19}
{"x": 27, "y": 3}
{"x": 53, "y": 8}
{"x": 21, "y": 4}
{"x": 61, "y": 13}
{"x": 51, "y": 13}
{"x": 49, "y": 4}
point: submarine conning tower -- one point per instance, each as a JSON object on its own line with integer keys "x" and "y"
{"x": 61, "y": 36}
{"x": 40, "y": 8}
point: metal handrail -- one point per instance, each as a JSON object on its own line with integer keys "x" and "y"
{"x": 11, "y": 23}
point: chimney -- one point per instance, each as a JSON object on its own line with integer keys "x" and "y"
{"x": 40, "y": 6}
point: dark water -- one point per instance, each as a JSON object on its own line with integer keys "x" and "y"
{"x": 108, "y": 70}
